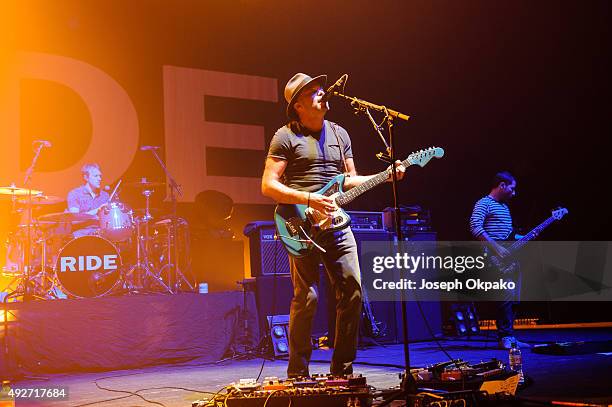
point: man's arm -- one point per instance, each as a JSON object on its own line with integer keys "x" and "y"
{"x": 272, "y": 187}
{"x": 94, "y": 211}
{"x": 72, "y": 201}
{"x": 355, "y": 180}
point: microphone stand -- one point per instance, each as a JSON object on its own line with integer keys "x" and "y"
{"x": 28, "y": 255}
{"x": 408, "y": 386}
{"x": 175, "y": 190}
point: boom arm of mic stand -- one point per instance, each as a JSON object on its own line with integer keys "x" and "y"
{"x": 174, "y": 186}
{"x": 30, "y": 170}
{"x": 377, "y": 129}
{"x": 373, "y": 106}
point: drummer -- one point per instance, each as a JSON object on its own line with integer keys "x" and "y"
{"x": 88, "y": 198}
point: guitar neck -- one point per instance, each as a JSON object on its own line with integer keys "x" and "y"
{"x": 531, "y": 235}
{"x": 353, "y": 193}
{"x": 378, "y": 179}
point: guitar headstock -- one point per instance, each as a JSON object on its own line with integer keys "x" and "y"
{"x": 559, "y": 213}
{"x": 422, "y": 157}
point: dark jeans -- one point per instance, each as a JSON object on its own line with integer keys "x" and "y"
{"x": 505, "y": 318}
{"x": 342, "y": 265}
{"x": 505, "y": 308}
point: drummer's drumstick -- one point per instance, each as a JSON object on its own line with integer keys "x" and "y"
{"x": 114, "y": 190}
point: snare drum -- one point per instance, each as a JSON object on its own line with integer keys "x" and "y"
{"x": 116, "y": 222}
{"x": 88, "y": 267}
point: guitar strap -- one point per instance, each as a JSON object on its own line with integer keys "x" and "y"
{"x": 333, "y": 127}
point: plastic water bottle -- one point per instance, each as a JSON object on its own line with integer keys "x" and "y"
{"x": 516, "y": 362}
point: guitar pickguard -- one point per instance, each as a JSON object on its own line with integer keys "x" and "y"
{"x": 322, "y": 222}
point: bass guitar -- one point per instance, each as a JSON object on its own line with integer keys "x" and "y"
{"x": 509, "y": 264}
{"x": 299, "y": 227}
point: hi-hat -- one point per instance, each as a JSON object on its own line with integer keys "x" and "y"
{"x": 66, "y": 217}
{"x": 16, "y": 191}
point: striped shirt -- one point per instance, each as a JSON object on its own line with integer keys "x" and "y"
{"x": 492, "y": 217}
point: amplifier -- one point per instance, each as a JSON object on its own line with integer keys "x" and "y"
{"x": 366, "y": 221}
{"x": 414, "y": 219}
{"x": 268, "y": 256}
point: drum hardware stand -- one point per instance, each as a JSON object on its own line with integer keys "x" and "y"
{"x": 408, "y": 387}
{"x": 244, "y": 339}
{"x": 142, "y": 260}
{"x": 175, "y": 190}
{"x": 147, "y": 216}
{"x": 27, "y": 290}
{"x": 51, "y": 292}
{"x": 41, "y": 284}
{"x": 172, "y": 254}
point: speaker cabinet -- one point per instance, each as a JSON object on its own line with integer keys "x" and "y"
{"x": 389, "y": 313}
{"x": 268, "y": 256}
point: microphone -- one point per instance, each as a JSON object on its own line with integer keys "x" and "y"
{"x": 339, "y": 85}
{"x": 44, "y": 143}
{"x": 147, "y": 148}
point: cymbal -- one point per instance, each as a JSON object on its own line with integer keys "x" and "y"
{"x": 13, "y": 190}
{"x": 42, "y": 200}
{"x": 145, "y": 183}
{"x": 66, "y": 217}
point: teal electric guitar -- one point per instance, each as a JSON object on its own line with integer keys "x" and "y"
{"x": 299, "y": 227}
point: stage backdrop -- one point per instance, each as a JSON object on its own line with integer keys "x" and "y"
{"x": 501, "y": 85}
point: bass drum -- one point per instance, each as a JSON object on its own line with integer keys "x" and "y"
{"x": 88, "y": 267}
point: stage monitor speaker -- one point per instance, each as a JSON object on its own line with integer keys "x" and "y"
{"x": 268, "y": 256}
{"x": 279, "y": 334}
{"x": 273, "y": 296}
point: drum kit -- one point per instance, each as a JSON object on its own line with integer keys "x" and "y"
{"x": 78, "y": 255}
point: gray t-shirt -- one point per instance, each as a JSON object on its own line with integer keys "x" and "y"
{"x": 313, "y": 159}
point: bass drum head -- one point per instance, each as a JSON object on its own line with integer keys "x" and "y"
{"x": 88, "y": 267}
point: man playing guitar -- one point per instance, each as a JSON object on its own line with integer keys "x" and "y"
{"x": 303, "y": 156}
{"x": 491, "y": 222}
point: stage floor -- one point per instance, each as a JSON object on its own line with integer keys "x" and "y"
{"x": 577, "y": 377}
